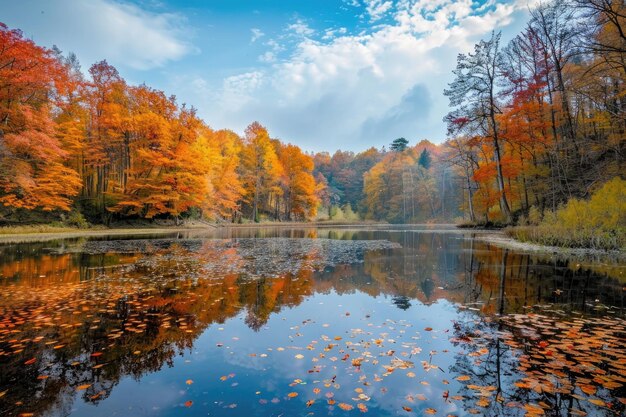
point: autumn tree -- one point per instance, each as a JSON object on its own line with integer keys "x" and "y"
{"x": 260, "y": 168}
{"x": 299, "y": 186}
{"x": 32, "y": 170}
{"x": 107, "y": 140}
{"x": 222, "y": 150}
{"x": 473, "y": 94}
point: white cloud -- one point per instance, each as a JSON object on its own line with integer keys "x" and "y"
{"x": 376, "y": 9}
{"x": 300, "y": 28}
{"x": 354, "y": 91}
{"x": 121, "y": 33}
{"x": 256, "y": 34}
{"x": 238, "y": 90}
{"x": 268, "y": 57}
{"x": 329, "y": 34}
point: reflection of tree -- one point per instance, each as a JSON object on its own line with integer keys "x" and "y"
{"x": 402, "y": 302}
{"x": 142, "y": 314}
{"x": 550, "y": 366}
{"x": 505, "y": 281}
{"x": 490, "y": 365}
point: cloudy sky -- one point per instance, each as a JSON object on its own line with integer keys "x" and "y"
{"x": 322, "y": 74}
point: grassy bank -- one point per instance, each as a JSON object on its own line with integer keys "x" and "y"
{"x": 559, "y": 236}
{"x": 596, "y": 223}
{"x": 43, "y": 228}
{"x": 62, "y": 231}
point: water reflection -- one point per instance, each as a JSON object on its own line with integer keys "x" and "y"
{"x": 75, "y": 325}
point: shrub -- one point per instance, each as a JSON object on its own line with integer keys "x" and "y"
{"x": 599, "y": 222}
{"x": 336, "y": 213}
{"x": 534, "y": 216}
{"x": 349, "y": 214}
{"x": 76, "y": 219}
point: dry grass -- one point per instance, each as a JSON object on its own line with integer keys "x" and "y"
{"x": 551, "y": 235}
{"x": 37, "y": 228}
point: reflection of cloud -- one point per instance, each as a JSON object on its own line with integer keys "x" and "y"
{"x": 122, "y": 33}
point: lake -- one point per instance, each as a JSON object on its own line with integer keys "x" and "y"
{"x": 380, "y": 320}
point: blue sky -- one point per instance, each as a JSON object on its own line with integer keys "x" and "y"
{"x": 322, "y": 74}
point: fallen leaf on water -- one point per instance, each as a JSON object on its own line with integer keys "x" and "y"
{"x": 97, "y": 395}
{"x": 188, "y": 403}
{"x": 597, "y": 402}
{"x": 534, "y": 410}
{"x": 588, "y": 389}
{"x": 292, "y": 394}
{"x": 345, "y": 407}
{"x": 483, "y": 402}
{"x": 189, "y": 381}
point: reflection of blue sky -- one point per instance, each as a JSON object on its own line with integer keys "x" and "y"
{"x": 321, "y": 74}
{"x": 444, "y": 257}
{"x": 164, "y": 392}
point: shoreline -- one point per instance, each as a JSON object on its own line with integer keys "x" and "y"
{"x": 494, "y": 236}
{"x": 503, "y": 241}
{"x": 68, "y": 233}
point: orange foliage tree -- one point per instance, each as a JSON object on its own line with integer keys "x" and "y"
{"x": 32, "y": 170}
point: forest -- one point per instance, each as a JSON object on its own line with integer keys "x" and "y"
{"x": 536, "y": 127}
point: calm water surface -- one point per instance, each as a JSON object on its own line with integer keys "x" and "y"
{"x": 295, "y": 322}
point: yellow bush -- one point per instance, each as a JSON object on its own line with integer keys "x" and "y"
{"x": 534, "y": 216}
{"x": 599, "y": 222}
{"x": 604, "y": 211}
